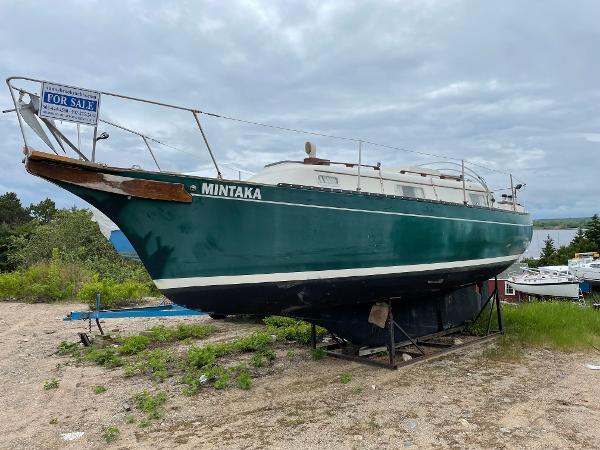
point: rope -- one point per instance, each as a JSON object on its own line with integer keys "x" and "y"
{"x": 351, "y": 139}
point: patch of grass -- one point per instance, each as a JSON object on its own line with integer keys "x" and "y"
{"x": 110, "y": 434}
{"x": 345, "y": 378}
{"x": 243, "y": 378}
{"x": 106, "y": 357}
{"x": 181, "y": 332}
{"x": 99, "y": 389}
{"x": 221, "y": 377}
{"x": 151, "y": 405}
{"x": 206, "y": 356}
{"x": 69, "y": 349}
{"x": 132, "y": 345}
{"x": 51, "y": 384}
{"x": 357, "y": 390}
{"x": 318, "y": 353}
{"x": 153, "y": 362}
{"x": 200, "y": 357}
{"x": 191, "y": 379}
{"x": 286, "y": 328}
{"x": 261, "y": 356}
{"x": 558, "y": 325}
{"x": 130, "y": 418}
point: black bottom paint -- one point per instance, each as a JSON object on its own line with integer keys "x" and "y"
{"x": 423, "y": 303}
{"x": 418, "y": 316}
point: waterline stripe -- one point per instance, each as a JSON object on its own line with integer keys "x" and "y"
{"x": 174, "y": 283}
{"x": 304, "y": 205}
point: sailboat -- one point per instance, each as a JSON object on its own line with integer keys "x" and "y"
{"x": 586, "y": 266}
{"x": 550, "y": 281}
{"x": 310, "y": 238}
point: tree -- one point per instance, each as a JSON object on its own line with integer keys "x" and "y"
{"x": 592, "y": 232}
{"x": 12, "y": 212}
{"x": 580, "y": 243}
{"x": 43, "y": 211}
{"x": 547, "y": 257}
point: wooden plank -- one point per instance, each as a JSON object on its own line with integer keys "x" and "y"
{"x": 63, "y": 169}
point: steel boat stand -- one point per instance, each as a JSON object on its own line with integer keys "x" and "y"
{"x": 162, "y": 310}
{"x": 420, "y": 349}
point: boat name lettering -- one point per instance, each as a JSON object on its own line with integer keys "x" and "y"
{"x": 228, "y": 190}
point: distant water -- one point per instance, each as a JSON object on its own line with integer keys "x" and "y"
{"x": 560, "y": 237}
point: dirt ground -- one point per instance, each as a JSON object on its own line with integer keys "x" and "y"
{"x": 463, "y": 400}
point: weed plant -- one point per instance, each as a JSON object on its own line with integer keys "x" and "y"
{"x": 151, "y": 405}
{"x": 51, "y": 384}
{"x": 110, "y": 434}
{"x": 288, "y": 329}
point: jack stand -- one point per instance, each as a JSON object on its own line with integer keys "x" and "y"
{"x": 429, "y": 346}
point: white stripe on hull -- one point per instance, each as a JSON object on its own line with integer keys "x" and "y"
{"x": 173, "y": 283}
{"x": 560, "y": 290}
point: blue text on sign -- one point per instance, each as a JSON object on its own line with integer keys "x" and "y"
{"x": 70, "y": 101}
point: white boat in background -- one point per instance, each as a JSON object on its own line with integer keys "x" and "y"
{"x": 551, "y": 281}
{"x": 586, "y": 266}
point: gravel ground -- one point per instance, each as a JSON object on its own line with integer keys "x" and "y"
{"x": 464, "y": 400}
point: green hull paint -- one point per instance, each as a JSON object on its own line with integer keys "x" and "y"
{"x": 217, "y": 236}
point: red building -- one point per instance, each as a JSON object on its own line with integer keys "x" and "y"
{"x": 505, "y": 292}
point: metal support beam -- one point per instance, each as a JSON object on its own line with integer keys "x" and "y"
{"x": 19, "y": 118}
{"x": 498, "y": 308}
{"x": 64, "y": 138}
{"x": 219, "y": 176}
{"x": 391, "y": 341}
{"x": 151, "y": 153}
{"x": 513, "y": 193}
{"x": 359, "y": 164}
{"x": 94, "y": 144}
{"x": 464, "y": 188}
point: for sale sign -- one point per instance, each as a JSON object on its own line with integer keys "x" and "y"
{"x": 69, "y": 103}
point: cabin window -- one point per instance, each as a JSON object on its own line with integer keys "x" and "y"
{"x": 477, "y": 199}
{"x": 328, "y": 180}
{"x": 508, "y": 290}
{"x": 410, "y": 191}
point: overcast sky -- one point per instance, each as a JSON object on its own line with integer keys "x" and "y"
{"x": 512, "y": 85}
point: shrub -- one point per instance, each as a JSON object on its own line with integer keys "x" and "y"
{"x": 112, "y": 293}
{"x": 42, "y": 282}
{"x": 11, "y": 285}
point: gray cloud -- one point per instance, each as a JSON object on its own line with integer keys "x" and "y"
{"x": 510, "y": 85}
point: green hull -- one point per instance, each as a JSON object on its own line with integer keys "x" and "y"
{"x": 238, "y": 247}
